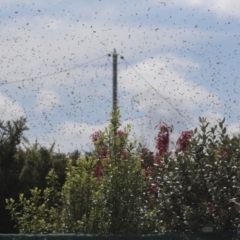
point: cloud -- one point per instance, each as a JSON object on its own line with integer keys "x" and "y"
{"x": 212, "y": 117}
{"x": 220, "y": 7}
{"x": 46, "y": 100}
{"x": 62, "y": 43}
{"x": 10, "y": 109}
{"x": 172, "y": 98}
{"x": 165, "y": 86}
{"x": 69, "y": 136}
{"x": 234, "y": 129}
{"x": 169, "y": 54}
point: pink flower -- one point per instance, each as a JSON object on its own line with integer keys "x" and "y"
{"x": 162, "y": 140}
{"x": 120, "y": 133}
{"x": 225, "y": 154}
{"x": 101, "y": 148}
{"x": 124, "y": 154}
{"x": 183, "y": 141}
{"x": 95, "y": 136}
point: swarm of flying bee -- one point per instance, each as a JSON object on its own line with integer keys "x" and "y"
{"x": 176, "y": 62}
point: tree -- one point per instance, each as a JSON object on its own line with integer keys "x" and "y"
{"x": 122, "y": 197}
{"x": 38, "y": 161}
{"x": 201, "y": 183}
{"x": 23, "y": 166}
{"x": 38, "y": 213}
{"x": 105, "y": 192}
{"x": 122, "y": 188}
{"x": 11, "y": 136}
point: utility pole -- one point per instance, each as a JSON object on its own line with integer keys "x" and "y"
{"x": 114, "y": 58}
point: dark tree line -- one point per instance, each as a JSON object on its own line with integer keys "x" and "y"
{"x": 23, "y": 166}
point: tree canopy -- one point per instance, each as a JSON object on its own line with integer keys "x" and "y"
{"x": 23, "y": 166}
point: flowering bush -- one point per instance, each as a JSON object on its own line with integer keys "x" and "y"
{"x": 98, "y": 169}
{"x": 120, "y": 133}
{"x": 104, "y": 193}
{"x": 101, "y": 149}
{"x": 183, "y": 141}
{"x": 95, "y": 136}
{"x": 202, "y": 185}
{"x": 162, "y": 140}
{"x": 120, "y": 190}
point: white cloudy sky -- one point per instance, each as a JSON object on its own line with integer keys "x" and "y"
{"x": 188, "y": 50}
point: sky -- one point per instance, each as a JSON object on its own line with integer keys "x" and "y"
{"x": 178, "y": 60}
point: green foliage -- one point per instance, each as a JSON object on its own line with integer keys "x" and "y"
{"x": 120, "y": 204}
{"x": 121, "y": 199}
{"x": 11, "y": 136}
{"x": 103, "y": 193}
{"x": 23, "y": 166}
{"x": 77, "y": 196}
{"x": 38, "y": 161}
{"x": 201, "y": 186}
{"x": 37, "y": 214}
{"x": 120, "y": 188}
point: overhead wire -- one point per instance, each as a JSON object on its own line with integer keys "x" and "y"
{"x": 51, "y": 74}
{"x": 182, "y": 115}
{"x": 88, "y": 62}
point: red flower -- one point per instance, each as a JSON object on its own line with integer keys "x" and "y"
{"x": 120, "y": 133}
{"x": 183, "y": 141}
{"x": 95, "y": 136}
{"x": 124, "y": 154}
{"x": 101, "y": 148}
{"x": 225, "y": 154}
{"x": 162, "y": 140}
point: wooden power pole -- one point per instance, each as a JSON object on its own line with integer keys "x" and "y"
{"x": 114, "y": 58}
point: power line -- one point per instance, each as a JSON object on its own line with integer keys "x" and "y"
{"x": 86, "y": 63}
{"x": 51, "y": 74}
{"x": 188, "y": 119}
